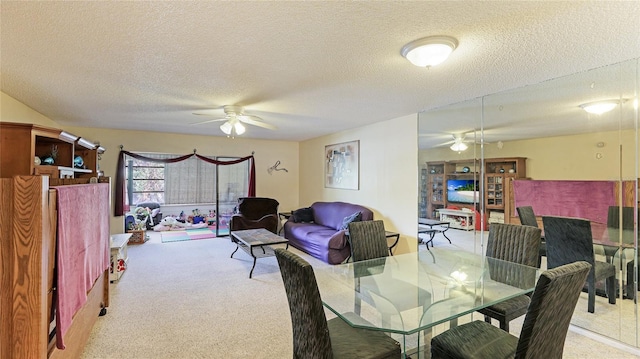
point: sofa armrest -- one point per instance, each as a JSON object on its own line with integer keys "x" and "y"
{"x": 339, "y": 240}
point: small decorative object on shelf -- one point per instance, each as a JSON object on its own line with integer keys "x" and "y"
{"x": 465, "y": 169}
{"x": 78, "y": 162}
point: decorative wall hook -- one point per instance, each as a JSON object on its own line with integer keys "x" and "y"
{"x": 275, "y": 168}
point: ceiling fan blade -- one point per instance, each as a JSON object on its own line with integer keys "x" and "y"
{"x": 208, "y": 121}
{"x": 255, "y": 121}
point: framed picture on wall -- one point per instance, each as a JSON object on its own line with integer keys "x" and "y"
{"x": 342, "y": 165}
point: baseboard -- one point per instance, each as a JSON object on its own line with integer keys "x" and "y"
{"x": 605, "y": 340}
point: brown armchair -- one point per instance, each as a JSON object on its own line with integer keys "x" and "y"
{"x": 256, "y": 212}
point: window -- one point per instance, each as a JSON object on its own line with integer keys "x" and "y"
{"x": 185, "y": 182}
{"x": 145, "y": 181}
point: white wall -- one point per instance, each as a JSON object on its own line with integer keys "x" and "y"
{"x": 12, "y": 110}
{"x": 388, "y": 174}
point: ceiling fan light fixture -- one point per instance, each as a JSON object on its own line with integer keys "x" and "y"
{"x": 459, "y": 146}
{"x": 599, "y": 107}
{"x": 239, "y": 128}
{"x": 226, "y": 127}
{"x": 429, "y": 51}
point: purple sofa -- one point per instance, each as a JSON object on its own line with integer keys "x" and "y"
{"x": 324, "y": 238}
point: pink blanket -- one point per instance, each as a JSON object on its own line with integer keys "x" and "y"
{"x": 82, "y": 248}
{"x": 580, "y": 199}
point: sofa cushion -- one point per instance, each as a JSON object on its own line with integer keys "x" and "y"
{"x": 303, "y": 215}
{"x": 355, "y": 217}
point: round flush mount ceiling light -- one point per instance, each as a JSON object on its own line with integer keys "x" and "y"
{"x": 600, "y": 107}
{"x": 429, "y": 51}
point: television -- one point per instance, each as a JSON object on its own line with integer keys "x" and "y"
{"x": 463, "y": 191}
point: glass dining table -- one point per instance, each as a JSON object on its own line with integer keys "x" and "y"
{"x": 409, "y": 294}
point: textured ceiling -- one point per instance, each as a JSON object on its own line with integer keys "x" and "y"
{"x": 309, "y": 68}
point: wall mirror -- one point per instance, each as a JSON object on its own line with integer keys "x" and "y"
{"x": 540, "y": 139}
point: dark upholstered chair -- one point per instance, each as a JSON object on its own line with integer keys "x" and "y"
{"x": 256, "y": 212}
{"x": 544, "y": 329}
{"x": 570, "y": 240}
{"x": 514, "y": 243}
{"x": 528, "y": 218}
{"x": 313, "y": 335}
{"x": 368, "y": 240}
{"x": 625, "y": 232}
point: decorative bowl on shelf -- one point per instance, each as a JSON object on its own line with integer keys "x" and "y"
{"x": 466, "y": 169}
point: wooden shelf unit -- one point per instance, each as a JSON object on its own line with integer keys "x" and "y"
{"x": 500, "y": 172}
{"x": 22, "y": 142}
{"x": 496, "y": 182}
{"x": 436, "y": 190}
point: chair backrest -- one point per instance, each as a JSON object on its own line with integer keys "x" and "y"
{"x": 310, "y": 330}
{"x": 527, "y": 217}
{"x": 368, "y": 240}
{"x": 628, "y": 224}
{"x": 547, "y": 320}
{"x": 257, "y": 207}
{"x": 514, "y": 243}
{"x": 568, "y": 240}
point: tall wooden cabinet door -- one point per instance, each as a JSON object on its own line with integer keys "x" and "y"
{"x": 494, "y": 191}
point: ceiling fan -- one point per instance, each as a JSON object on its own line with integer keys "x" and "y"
{"x": 234, "y": 119}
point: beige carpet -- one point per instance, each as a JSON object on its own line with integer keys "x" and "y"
{"x": 190, "y": 300}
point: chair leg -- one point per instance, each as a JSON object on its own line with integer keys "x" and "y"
{"x": 357, "y": 301}
{"x": 504, "y": 325}
{"x": 592, "y": 297}
{"x": 611, "y": 289}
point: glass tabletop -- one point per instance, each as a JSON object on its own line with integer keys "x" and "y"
{"x": 411, "y": 292}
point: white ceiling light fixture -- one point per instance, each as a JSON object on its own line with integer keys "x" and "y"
{"x": 232, "y": 127}
{"x": 458, "y": 144}
{"x": 599, "y": 107}
{"x": 233, "y": 121}
{"x": 429, "y": 51}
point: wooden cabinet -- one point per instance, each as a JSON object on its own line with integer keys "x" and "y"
{"x": 495, "y": 182}
{"x": 494, "y": 191}
{"x": 500, "y": 172}
{"x": 422, "y": 205}
{"x": 436, "y": 190}
{"x": 21, "y": 143}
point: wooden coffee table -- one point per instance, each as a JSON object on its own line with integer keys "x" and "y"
{"x": 258, "y": 239}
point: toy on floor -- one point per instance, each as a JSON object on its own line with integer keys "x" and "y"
{"x": 172, "y": 224}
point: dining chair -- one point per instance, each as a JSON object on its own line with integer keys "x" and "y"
{"x": 513, "y": 243}
{"x": 544, "y": 329}
{"x": 528, "y": 218}
{"x": 369, "y": 242}
{"x": 621, "y": 227}
{"x": 314, "y": 336}
{"x": 569, "y": 240}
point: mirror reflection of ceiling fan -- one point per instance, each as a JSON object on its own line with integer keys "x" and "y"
{"x": 458, "y": 142}
{"x": 234, "y": 121}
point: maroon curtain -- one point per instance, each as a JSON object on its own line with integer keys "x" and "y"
{"x": 119, "y": 209}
